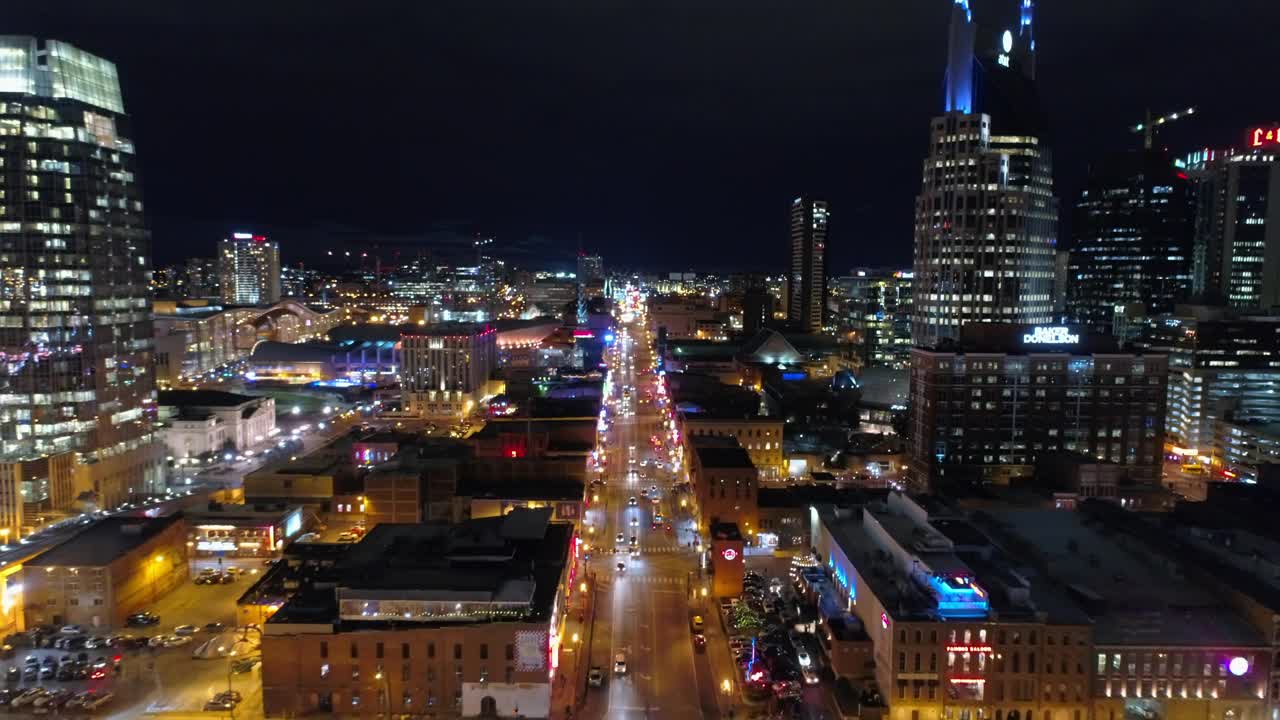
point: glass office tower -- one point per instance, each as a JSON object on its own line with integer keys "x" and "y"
{"x": 75, "y": 262}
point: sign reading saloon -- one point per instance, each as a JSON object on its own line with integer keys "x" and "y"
{"x": 1056, "y": 335}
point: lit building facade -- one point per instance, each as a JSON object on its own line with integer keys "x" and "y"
{"x": 985, "y": 410}
{"x": 1245, "y": 448}
{"x": 1222, "y": 365}
{"x": 75, "y": 321}
{"x": 986, "y": 216}
{"x": 249, "y": 269}
{"x": 425, "y": 620}
{"x": 1237, "y": 231}
{"x": 807, "y": 281}
{"x": 446, "y": 368}
{"x": 875, "y": 308}
{"x": 1133, "y": 228}
{"x": 759, "y": 435}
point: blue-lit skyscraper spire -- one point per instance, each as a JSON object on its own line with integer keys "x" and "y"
{"x": 959, "y": 76}
{"x": 1026, "y": 26}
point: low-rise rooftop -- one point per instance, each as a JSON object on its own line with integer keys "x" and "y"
{"x": 104, "y": 541}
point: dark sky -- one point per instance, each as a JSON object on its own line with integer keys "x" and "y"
{"x": 667, "y": 134}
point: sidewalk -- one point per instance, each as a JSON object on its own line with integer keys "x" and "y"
{"x": 568, "y": 690}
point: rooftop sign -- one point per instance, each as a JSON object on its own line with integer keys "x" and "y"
{"x": 1052, "y": 335}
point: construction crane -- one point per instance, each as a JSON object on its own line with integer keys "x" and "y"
{"x": 1149, "y": 126}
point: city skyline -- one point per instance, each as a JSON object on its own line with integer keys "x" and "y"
{"x": 682, "y": 108}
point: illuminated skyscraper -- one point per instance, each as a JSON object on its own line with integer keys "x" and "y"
{"x": 249, "y": 269}
{"x": 1132, "y": 241}
{"x": 807, "y": 282}
{"x": 1237, "y": 228}
{"x": 76, "y": 390}
{"x": 986, "y": 216}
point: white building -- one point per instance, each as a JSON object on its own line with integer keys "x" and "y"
{"x": 202, "y": 421}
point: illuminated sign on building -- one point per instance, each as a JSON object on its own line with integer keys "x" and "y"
{"x": 969, "y": 648}
{"x": 1263, "y": 136}
{"x": 1238, "y": 666}
{"x": 1054, "y": 335}
{"x": 215, "y": 546}
{"x": 729, "y": 554}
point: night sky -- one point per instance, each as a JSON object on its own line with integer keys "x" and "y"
{"x": 666, "y": 135}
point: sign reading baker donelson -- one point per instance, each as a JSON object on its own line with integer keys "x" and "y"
{"x": 1055, "y": 335}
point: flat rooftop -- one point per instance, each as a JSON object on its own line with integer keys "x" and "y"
{"x": 202, "y": 398}
{"x": 722, "y": 456}
{"x": 1136, "y": 597}
{"x": 499, "y": 568}
{"x": 104, "y": 541}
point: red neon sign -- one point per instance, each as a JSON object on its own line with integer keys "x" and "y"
{"x": 729, "y": 554}
{"x": 1261, "y": 136}
{"x": 969, "y": 648}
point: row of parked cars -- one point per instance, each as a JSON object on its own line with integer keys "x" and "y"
{"x": 780, "y": 657}
{"x": 41, "y": 701}
{"x": 68, "y": 668}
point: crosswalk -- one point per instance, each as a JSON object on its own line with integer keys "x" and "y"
{"x": 654, "y": 580}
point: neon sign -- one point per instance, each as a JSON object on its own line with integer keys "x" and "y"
{"x": 729, "y": 554}
{"x": 1260, "y": 136}
{"x": 884, "y": 621}
{"x": 1055, "y": 335}
{"x": 969, "y": 648}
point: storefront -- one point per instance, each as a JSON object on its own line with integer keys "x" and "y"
{"x": 242, "y": 530}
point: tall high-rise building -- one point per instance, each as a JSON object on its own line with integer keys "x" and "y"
{"x": 75, "y": 321}
{"x": 249, "y": 269}
{"x": 1132, "y": 240}
{"x": 875, "y": 309}
{"x": 807, "y": 282}
{"x": 986, "y": 216}
{"x": 1237, "y": 226}
{"x": 590, "y": 269}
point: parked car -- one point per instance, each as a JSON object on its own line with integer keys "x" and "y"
{"x": 177, "y": 641}
{"x": 214, "y": 627}
{"x": 26, "y": 698}
{"x": 143, "y": 619}
{"x": 97, "y": 700}
{"x": 185, "y": 630}
{"x": 72, "y": 630}
{"x": 13, "y": 674}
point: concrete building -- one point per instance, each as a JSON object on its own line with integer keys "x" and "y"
{"x": 725, "y": 484}
{"x": 450, "y": 620}
{"x": 807, "y": 279}
{"x": 1248, "y": 452}
{"x": 956, "y": 631}
{"x": 446, "y": 368}
{"x": 875, "y": 310}
{"x": 238, "y": 530}
{"x": 358, "y": 362}
{"x": 759, "y": 435}
{"x": 193, "y": 338}
{"x": 1017, "y": 613}
{"x": 986, "y": 216}
{"x": 112, "y": 569}
{"x": 683, "y": 317}
{"x": 249, "y": 269}
{"x": 1221, "y": 367}
{"x": 203, "y": 421}
{"x": 983, "y": 410}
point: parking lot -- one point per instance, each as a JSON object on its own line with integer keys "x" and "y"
{"x": 781, "y": 666}
{"x": 144, "y": 674}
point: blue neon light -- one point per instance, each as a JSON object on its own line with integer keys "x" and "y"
{"x": 959, "y": 597}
